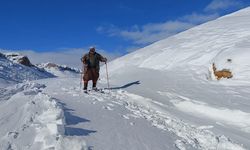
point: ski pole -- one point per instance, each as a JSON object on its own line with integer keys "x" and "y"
{"x": 81, "y": 78}
{"x": 107, "y": 74}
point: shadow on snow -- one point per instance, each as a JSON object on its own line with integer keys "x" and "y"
{"x": 126, "y": 85}
{"x": 71, "y": 119}
{"x": 69, "y": 131}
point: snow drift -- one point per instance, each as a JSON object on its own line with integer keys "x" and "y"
{"x": 31, "y": 119}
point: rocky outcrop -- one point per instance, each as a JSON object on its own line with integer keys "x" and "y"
{"x": 20, "y": 59}
{"x": 2, "y": 55}
{"x": 58, "y": 67}
{"x": 24, "y": 61}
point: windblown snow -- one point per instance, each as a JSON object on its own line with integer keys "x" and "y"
{"x": 164, "y": 96}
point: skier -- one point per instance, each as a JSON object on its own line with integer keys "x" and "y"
{"x": 91, "y": 62}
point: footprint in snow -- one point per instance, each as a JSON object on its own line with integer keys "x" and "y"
{"x": 13, "y": 134}
{"x": 118, "y": 103}
{"x": 132, "y": 123}
{"x": 125, "y": 117}
{"x": 75, "y": 95}
{"x": 112, "y": 105}
{"x": 205, "y": 127}
{"x": 98, "y": 99}
{"x": 64, "y": 89}
{"x": 107, "y": 108}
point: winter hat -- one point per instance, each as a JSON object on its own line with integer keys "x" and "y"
{"x": 92, "y": 49}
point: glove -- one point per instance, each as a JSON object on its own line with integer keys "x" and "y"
{"x": 105, "y": 60}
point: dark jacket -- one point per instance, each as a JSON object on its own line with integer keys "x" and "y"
{"x": 97, "y": 58}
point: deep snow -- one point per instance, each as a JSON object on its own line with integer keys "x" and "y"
{"x": 31, "y": 119}
{"x": 176, "y": 73}
{"x": 163, "y": 96}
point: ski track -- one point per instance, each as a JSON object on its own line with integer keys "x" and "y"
{"x": 190, "y": 135}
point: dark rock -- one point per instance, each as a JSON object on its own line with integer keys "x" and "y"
{"x": 51, "y": 65}
{"x": 2, "y": 55}
{"x": 25, "y": 61}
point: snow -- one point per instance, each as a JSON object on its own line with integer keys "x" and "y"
{"x": 13, "y": 56}
{"x": 12, "y": 72}
{"x": 118, "y": 119}
{"x": 59, "y": 70}
{"x": 176, "y": 74}
{"x": 197, "y": 48}
{"x": 31, "y": 119}
{"x": 163, "y": 96}
{"x": 241, "y": 119}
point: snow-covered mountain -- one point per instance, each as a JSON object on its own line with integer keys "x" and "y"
{"x": 15, "y": 68}
{"x": 175, "y": 75}
{"x": 59, "y": 70}
{"x": 18, "y": 58}
{"x": 226, "y": 38}
{"x": 163, "y": 96}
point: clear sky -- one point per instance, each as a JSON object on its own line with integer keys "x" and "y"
{"x": 112, "y": 25}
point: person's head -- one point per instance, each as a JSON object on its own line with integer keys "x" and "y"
{"x": 92, "y": 50}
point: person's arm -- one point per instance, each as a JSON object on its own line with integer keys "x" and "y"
{"x": 102, "y": 59}
{"x": 84, "y": 59}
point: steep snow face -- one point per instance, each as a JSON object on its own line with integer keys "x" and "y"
{"x": 224, "y": 41}
{"x": 11, "y": 72}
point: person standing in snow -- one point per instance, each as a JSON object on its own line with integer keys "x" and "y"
{"x": 91, "y": 62}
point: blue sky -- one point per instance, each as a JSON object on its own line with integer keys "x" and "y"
{"x": 112, "y": 25}
{"x": 115, "y": 26}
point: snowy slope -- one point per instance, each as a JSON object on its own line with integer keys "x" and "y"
{"x": 12, "y": 72}
{"x": 175, "y": 74}
{"x": 162, "y": 97}
{"x": 59, "y": 70}
{"x": 120, "y": 119}
{"x": 31, "y": 119}
{"x": 196, "y": 49}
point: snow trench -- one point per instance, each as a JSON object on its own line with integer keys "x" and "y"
{"x": 33, "y": 120}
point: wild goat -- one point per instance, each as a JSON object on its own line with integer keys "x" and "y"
{"x": 225, "y": 73}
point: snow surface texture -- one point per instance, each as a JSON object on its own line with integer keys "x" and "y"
{"x": 115, "y": 121}
{"x": 176, "y": 73}
{"x": 163, "y": 96}
{"x": 196, "y": 49}
{"x": 59, "y": 70}
{"x": 33, "y": 120}
{"x": 14, "y": 57}
{"x": 11, "y": 72}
